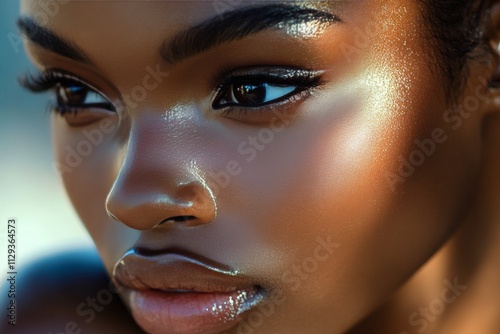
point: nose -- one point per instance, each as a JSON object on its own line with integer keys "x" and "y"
{"x": 157, "y": 183}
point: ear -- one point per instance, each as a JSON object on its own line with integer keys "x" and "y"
{"x": 483, "y": 75}
{"x": 490, "y": 125}
{"x": 492, "y": 34}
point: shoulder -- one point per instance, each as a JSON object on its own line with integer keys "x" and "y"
{"x": 65, "y": 293}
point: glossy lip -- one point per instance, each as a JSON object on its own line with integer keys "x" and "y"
{"x": 175, "y": 293}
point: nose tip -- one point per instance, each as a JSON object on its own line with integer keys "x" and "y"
{"x": 188, "y": 205}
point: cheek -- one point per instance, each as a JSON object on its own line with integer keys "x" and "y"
{"x": 325, "y": 180}
{"x": 88, "y": 159}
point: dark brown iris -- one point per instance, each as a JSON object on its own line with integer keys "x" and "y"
{"x": 250, "y": 94}
{"x": 71, "y": 95}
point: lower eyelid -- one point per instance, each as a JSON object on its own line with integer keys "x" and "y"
{"x": 82, "y": 116}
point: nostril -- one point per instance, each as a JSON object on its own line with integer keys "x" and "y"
{"x": 178, "y": 219}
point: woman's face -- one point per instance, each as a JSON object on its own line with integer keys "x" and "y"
{"x": 302, "y": 149}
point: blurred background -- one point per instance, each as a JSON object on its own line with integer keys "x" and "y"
{"x": 30, "y": 189}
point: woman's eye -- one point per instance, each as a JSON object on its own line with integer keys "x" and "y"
{"x": 74, "y": 95}
{"x": 258, "y": 91}
{"x": 253, "y": 94}
{"x": 79, "y": 103}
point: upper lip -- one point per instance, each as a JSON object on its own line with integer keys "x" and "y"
{"x": 176, "y": 272}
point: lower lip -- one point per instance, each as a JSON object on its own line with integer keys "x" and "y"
{"x": 159, "y": 312}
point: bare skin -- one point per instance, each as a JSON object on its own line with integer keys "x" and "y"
{"x": 329, "y": 176}
{"x": 470, "y": 255}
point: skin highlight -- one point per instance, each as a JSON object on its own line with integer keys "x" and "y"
{"x": 265, "y": 193}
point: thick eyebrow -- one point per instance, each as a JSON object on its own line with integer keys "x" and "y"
{"x": 237, "y": 24}
{"x": 51, "y": 41}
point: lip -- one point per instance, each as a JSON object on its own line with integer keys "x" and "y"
{"x": 176, "y": 293}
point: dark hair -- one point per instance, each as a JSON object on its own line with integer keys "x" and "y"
{"x": 454, "y": 27}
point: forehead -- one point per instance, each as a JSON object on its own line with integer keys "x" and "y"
{"x": 155, "y": 10}
{"x": 140, "y": 21}
{"x": 135, "y": 28}
{"x": 142, "y": 15}
{"x": 143, "y": 20}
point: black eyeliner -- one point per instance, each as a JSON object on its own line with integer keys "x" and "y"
{"x": 303, "y": 79}
{"x": 49, "y": 80}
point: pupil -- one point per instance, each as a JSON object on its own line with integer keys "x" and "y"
{"x": 250, "y": 94}
{"x": 71, "y": 95}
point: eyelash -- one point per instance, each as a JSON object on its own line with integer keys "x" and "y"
{"x": 303, "y": 80}
{"x": 50, "y": 79}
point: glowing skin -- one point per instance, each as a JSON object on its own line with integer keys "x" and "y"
{"x": 296, "y": 198}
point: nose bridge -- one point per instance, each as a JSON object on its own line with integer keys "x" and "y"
{"x": 157, "y": 182}
{"x": 157, "y": 149}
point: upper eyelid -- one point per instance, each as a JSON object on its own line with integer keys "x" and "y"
{"x": 63, "y": 75}
{"x": 80, "y": 81}
{"x": 224, "y": 74}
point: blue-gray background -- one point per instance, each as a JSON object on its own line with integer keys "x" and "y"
{"x": 30, "y": 189}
